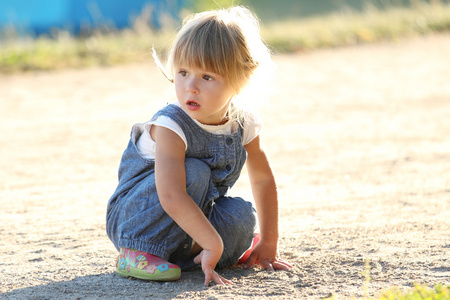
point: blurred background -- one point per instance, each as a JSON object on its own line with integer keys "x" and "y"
{"x": 81, "y": 16}
{"x": 43, "y": 16}
{"x": 53, "y": 34}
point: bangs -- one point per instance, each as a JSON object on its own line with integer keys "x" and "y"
{"x": 225, "y": 42}
{"x": 207, "y": 45}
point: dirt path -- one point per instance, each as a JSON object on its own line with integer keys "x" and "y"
{"x": 359, "y": 138}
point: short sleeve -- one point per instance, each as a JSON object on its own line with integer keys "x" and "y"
{"x": 252, "y": 128}
{"x": 146, "y": 145}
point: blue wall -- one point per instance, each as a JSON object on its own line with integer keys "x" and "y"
{"x": 40, "y": 16}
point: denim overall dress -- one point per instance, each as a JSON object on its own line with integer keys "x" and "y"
{"x": 136, "y": 219}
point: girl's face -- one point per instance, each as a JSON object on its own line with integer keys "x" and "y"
{"x": 203, "y": 95}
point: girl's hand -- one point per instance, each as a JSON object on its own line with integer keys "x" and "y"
{"x": 209, "y": 259}
{"x": 266, "y": 255}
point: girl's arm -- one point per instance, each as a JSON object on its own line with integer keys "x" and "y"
{"x": 170, "y": 177}
{"x": 266, "y": 199}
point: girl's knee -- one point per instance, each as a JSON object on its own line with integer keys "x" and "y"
{"x": 235, "y": 221}
{"x": 238, "y": 214}
{"x": 247, "y": 215}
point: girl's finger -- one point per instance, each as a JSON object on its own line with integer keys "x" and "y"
{"x": 281, "y": 265}
{"x": 198, "y": 259}
{"x": 208, "y": 275}
{"x": 219, "y": 279}
{"x": 283, "y": 262}
{"x": 250, "y": 261}
{"x": 266, "y": 264}
{"x": 226, "y": 281}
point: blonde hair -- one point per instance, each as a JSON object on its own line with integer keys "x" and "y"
{"x": 225, "y": 41}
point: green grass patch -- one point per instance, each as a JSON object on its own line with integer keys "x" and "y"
{"x": 65, "y": 51}
{"x": 373, "y": 25}
{"x": 113, "y": 47}
{"x": 419, "y": 292}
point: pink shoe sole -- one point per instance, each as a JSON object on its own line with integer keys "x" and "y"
{"x": 247, "y": 253}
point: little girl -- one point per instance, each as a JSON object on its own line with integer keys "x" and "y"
{"x": 170, "y": 210}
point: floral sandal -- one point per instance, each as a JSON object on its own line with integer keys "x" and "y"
{"x": 143, "y": 265}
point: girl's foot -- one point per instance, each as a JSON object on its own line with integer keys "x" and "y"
{"x": 247, "y": 253}
{"x": 145, "y": 266}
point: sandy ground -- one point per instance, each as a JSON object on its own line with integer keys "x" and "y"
{"x": 359, "y": 138}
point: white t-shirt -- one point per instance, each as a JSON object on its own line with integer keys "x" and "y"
{"x": 146, "y": 145}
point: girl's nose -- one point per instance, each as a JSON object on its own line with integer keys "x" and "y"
{"x": 192, "y": 86}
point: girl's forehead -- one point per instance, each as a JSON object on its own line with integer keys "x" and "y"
{"x": 197, "y": 68}
{"x": 197, "y": 65}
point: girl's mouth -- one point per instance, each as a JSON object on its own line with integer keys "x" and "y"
{"x": 192, "y": 105}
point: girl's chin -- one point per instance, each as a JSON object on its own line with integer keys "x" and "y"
{"x": 196, "y": 115}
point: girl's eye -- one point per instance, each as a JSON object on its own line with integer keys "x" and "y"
{"x": 207, "y": 77}
{"x": 182, "y": 73}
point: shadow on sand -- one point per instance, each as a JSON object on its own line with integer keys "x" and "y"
{"x": 113, "y": 286}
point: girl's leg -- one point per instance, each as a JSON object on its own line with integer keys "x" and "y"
{"x": 162, "y": 244}
{"x": 235, "y": 221}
